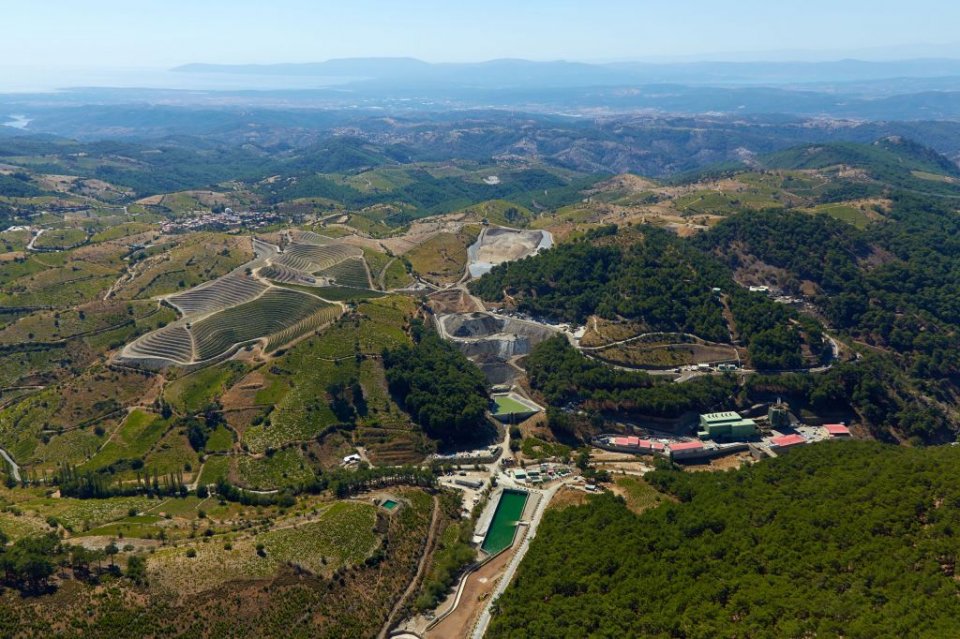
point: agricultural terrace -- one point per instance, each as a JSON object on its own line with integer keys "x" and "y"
{"x": 300, "y": 385}
{"x": 274, "y": 311}
{"x": 230, "y": 290}
{"x": 242, "y": 307}
{"x": 277, "y": 311}
{"x": 341, "y": 534}
{"x": 82, "y": 321}
{"x": 311, "y": 258}
{"x": 59, "y": 280}
{"x": 185, "y": 262}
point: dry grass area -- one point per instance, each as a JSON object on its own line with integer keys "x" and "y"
{"x": 726, "y": 462}
{"x": 666, "y": 355}
{"x": 187, "y": 200}
{"x": 420, "y": 232}
{"x": 638, "y": 494}
{"x": 330, "y": 451}
{"x": 601, "y": 332}
{"x": 241, "y": 420}
{"x": 339, "y": 534}
{"x": 567, "y": 497}
{"x": 453, "y": 301}
{"x": 443, "y": 258}
{"x": 478, "y": 589}
{"x": 309, "y": 580}
{"x": 243, "y": 394}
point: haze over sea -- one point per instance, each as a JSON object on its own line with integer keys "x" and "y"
{"x": 19, "y": 79}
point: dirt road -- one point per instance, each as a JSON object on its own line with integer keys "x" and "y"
{"x": 421, "y": 570}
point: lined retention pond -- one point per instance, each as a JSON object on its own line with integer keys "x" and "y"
{"x": 505, "y": 518}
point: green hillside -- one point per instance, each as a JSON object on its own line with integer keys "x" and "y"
{"x": 836, "y": 539}
{"x": 895, "y": 162}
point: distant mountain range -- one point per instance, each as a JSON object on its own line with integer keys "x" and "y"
{"x": 508, "y": 73}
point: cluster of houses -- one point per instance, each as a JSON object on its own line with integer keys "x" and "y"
{"x": 226, "y": 219}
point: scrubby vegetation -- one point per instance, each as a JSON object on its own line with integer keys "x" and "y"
{"x": 563, "y": 375}
{"x": 216, "y": 502}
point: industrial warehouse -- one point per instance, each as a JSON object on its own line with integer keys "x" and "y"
{"x": 722, "y": 433}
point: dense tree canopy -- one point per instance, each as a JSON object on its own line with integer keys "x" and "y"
{"x": 441, "y": 389}
{"x": 836, "y": 539}
{"x": 663, "y": 282}
{"x": 653, "y": 277}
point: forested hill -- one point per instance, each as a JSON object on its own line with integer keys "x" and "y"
{"x": 891, "y": 153}
{"x": 844, "y": 539}
{"x": 888, "y": 290}
{"x": 892, "y": 285}
{"x": 651, "y": 277}
{"x": 890, "y": 162}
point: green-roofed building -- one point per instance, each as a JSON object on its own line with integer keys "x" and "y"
{"x": 726, "y": 426}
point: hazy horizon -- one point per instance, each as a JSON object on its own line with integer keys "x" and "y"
{"x": 97, "y": 34}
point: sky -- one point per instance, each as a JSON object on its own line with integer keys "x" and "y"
{"x": 165, "y": 33}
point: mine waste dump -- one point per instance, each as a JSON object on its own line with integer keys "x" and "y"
{"x": 491, "y": 341}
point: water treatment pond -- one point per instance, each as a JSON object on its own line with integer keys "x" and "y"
{"x": 505, "y": 518}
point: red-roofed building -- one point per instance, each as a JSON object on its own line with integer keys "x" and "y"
{"x": 620, "y": 441}
{"x": 784, "y": 442}
{"x": 681, "y": 450}
{"x": 657, "y": 447}
{"x": 633, "y": 441}
{"x": 837, "y": 430}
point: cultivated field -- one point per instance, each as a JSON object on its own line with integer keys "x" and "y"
{"x": 273, "y": 299}
{"x": 230, "y": 290}
{"x": 275, "y": 312}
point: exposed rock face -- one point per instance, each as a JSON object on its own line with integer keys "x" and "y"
{"x": 471, "y": 324}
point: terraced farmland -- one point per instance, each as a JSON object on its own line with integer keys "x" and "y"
{"x": 231, "y": 290}
{"x": 274, "y": 311}
{"x": 350, "y": 272}
{"x": 286, "y": 275}
{"x": 245, "y": 305}
{"x": 279, "y": 314}
{"x": 310, "y": 258}
{"x": 324, "y": 315}
{"x": 309, "y": 237}
{"x": 173, "y": 343}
